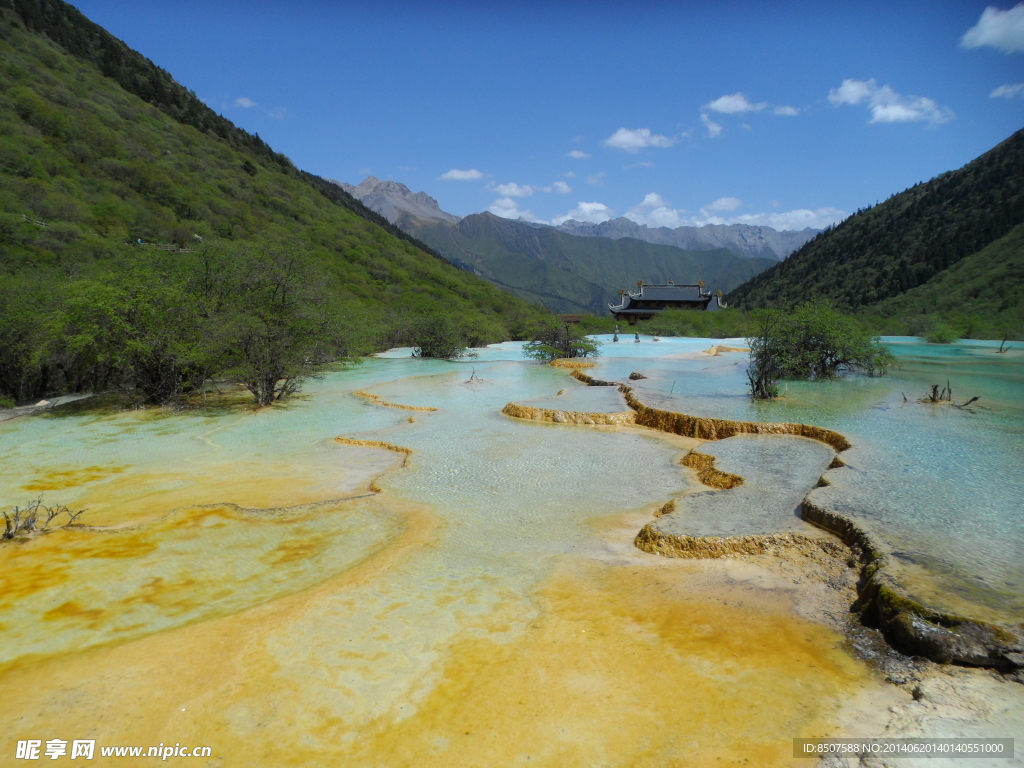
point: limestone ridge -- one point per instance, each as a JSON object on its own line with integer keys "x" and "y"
{"x": 744, "y": 239}
{"x": 395, "y": 201}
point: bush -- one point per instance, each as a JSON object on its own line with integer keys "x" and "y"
{"x": 438, "y": 336}
{"x": 554, "y": 339}
{"x": 941, "y": 334}
{"x": 813, "y": 341}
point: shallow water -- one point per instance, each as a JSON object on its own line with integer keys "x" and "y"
{"x": 777, "y": 472}
{"x": 240, "y": 584}
{"x": 941, "y": 485}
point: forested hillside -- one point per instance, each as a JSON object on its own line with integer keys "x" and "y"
{"x": 981, "y": 296}
{"x": 100, "y": 149}
{"x": 906, "y": 241}
{"x": 569, "y": 273}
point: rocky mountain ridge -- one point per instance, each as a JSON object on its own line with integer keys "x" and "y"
{"x": 741, "y": 238}
{"x": 395, "y": 201}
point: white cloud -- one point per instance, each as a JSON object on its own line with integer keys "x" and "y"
{"x": 514, "y": 190}
{"x": 245, "y": 101}
{"x": 568, "y": 175}
{"x": 1008, "y": 91}
{"x": 734, "y": 104}
{"x": 456, "y": 175}
{"x": 633, "y": 141}
{"x": 798, "y": 219}
{"x": 507, "y": 208}
{"x": 786, "y": 111}
{"x": 852, "y": 92}
{"x": 561, "y": 188}
{"x": 714, "y": 129}
{"x": 597, "y": 179}
{"x": 593, "y": 213}
{"x": 654, "y": 211}
{"x": 1002, "y": 30}
{"x": 278, "y": 113}
{"x": 887, "y": 106}
{"x": 641, "y": 164}
{"x": 723, "y": 204}
{"x": 578, "y": 154}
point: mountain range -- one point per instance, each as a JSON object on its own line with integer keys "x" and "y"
{"x": 741, "y": 238}
{"x": 572, "y": 274}
{"x": 577, "y": 267}
{"x": 397, "y": 203}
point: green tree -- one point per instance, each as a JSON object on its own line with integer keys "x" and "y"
{"x": 438, "y": 336}
{"x": 275, "y": 327}
{"x": 813, "y": 341}
{"x": 137, "y": 331}
{"x": 555, "y": 339}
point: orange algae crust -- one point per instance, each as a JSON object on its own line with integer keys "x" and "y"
{"x": 60, "y": 479}
{"x": 622, "y": 666}
{"x": 179, "y": 683}
{"x": 597, "y": 680}
{"x": 378, "y": 400}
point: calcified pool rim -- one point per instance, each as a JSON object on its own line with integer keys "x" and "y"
{"x": 907, "y": 624}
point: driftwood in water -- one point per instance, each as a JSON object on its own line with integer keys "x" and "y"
{"x": 973, "y": 399}
{"x": 945, "y": 396}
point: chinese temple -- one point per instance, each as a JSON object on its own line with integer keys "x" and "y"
{"x": 649, "y": 300}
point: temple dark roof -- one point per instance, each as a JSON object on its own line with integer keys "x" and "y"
{"x": 669, "y": 293}
{"x": 651, "y": 299}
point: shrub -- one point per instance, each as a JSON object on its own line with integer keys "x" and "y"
{"x": 813, "y": 341}
{"x": 941, "y": 334}
{"x": 554, "y": 339}
{"x": 438, "y": 336}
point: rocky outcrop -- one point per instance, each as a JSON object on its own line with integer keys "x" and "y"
{"x": 907, "y": 624}
{"x": 590, "y": 381}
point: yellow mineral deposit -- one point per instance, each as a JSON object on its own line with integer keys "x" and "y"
{"x": 378, "y": 400}
{"x": 567, "y": 417}
{"x": 619, "y": 666}
{"x": 571, "y": 364}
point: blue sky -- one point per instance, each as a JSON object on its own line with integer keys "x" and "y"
{"x": 785, "y": 114}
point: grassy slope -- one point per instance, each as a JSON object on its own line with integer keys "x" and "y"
{"x": 568, "y": 273}
{"x": 102, "y": 168}
{"x": 904, "y": 242}
{"x": 980, "y": 295}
